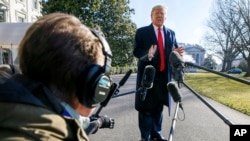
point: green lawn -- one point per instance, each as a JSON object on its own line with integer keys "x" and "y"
{"x": 226, "y": 91}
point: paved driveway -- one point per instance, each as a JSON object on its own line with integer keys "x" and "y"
{"x": 200, "y": 124}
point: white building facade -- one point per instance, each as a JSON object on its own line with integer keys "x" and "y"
{"x": 15, "y": 18}
{"x": 197, "y": 53}
{"x": 19, "y": 11}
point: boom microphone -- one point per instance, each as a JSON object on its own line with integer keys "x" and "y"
{"x": 175, "y": 58}
{"x": 125, "y": 78}
{"x": 177, "y": 65}
{"x": 174, "y": 91}
{"x": 147, "y": 80}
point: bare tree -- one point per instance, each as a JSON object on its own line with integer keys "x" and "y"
{"x": 223, "y": 34}
{"x": 241, "y": 20}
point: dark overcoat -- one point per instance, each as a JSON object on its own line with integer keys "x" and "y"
{"x": 158, "y": 95}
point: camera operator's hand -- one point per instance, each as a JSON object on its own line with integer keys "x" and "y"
{"x": 104, "y": 121}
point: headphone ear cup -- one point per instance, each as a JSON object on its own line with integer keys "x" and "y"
{"x": 95, "y": 87}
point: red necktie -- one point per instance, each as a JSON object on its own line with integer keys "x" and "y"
{"x": 161, "y": 49}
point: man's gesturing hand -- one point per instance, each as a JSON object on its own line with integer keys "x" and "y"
{"x": 151, "y": 51}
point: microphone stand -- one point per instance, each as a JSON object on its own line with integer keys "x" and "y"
{"x": 178, "y": 105}
{"x": 171, "y": 133}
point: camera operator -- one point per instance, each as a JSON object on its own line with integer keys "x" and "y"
{"x": 64, "y": 76}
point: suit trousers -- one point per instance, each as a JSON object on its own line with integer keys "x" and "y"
{"x": 150, "y": 125}
{"x": 150, "y": 121}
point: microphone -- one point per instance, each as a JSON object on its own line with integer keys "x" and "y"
{"x": 147, "y": 80}
{"x": 175, "y": 92}
{"x": 177, "y": 65}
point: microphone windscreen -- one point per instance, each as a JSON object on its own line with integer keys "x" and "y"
{"x": 177, "y": 65}
{"x": 175, "y": 58}
{"x": 174, "y": 91}
{"x": 148, "y": 77}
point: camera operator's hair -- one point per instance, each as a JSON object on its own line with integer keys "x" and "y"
{"x": 56, "y": 49}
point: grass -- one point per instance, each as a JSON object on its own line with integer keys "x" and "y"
{"x": 223, "y": 90}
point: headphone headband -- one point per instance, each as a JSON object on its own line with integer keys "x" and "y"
{"x": 95, "y": 82}
{"x": 105, "y": 48}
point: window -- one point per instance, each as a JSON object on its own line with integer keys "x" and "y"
{"x": 193, "y": 56}
{"x": 20, "y": 19}
{"x": 197, "y": 58}
{"x": 34, "y": 4}
{"x": 2, "y": 16}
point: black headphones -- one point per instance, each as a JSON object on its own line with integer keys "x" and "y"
{"x": 12, "y": 69}
{"x": 96, "y": 84}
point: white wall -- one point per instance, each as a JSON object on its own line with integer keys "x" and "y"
{"x": 21, "y": 10}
